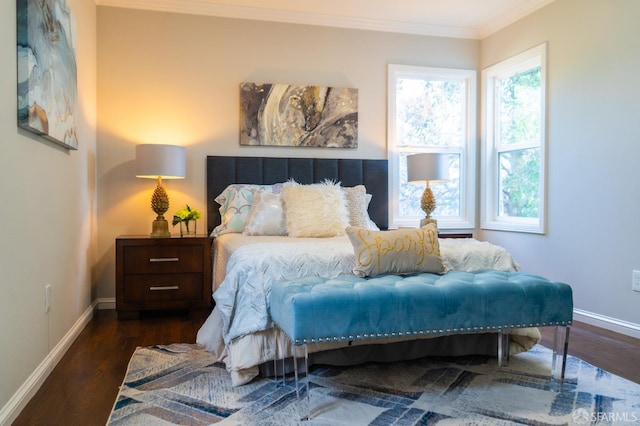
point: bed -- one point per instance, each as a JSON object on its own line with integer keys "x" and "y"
{"x": 239, "y": 331}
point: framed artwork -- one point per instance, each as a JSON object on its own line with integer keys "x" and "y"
{"x": 47, "y": 73}
{"x": 290, "y": 115}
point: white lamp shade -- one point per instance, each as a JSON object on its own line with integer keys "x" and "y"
{"x": 427, "y": 167}
{"x": 165, "y": 161}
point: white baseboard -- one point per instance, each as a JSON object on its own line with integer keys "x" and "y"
{"x": 106, "y": 302}
{"x": 608, "y": 323}
{"x": 19, "y": 400}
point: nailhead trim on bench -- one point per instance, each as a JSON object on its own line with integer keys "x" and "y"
{"x": 432, "y": 333}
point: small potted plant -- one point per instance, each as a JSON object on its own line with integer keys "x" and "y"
{"x": 187, "y": 218}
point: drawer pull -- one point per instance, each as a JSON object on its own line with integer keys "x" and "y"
{"x": 165, "y": 288}
{"x": 164, "y": 259}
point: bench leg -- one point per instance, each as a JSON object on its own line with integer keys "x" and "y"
{"x": 304, "y": 407}
{"x": 503, "y": 348}
{"x": 277, "y": 355}
{"x": 559, "y": 358}
{"x": 284, "y": 378}
{"x": 275, "y": 358}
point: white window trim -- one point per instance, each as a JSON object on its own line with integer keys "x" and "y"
{"x": 489, "y": 181}
{"x": 467, "y": 219}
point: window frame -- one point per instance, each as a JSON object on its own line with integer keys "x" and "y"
{"x": 466, "y": 220}
{"x": 490, "y": 217}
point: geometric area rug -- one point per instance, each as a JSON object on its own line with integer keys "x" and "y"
{"x": 182, "y": 384}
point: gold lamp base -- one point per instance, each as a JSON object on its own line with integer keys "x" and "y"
{"x": 427, "y": 220}
{"x": 428, "y": 204}
{"x": 160, "y": 204}
{"x": 160, "y": 228}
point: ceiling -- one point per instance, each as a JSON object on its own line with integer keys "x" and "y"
{"x": 474, "y": 19}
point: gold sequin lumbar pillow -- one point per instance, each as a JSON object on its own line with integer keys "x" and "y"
{"x": 402, "y": 251}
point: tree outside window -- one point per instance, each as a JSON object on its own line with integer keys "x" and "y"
{"x": 514, "y": 143}
{"x": 431, "y": 110}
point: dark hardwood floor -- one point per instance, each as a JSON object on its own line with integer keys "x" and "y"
{"x": 82, "y": 388}
{"x": 614, "y": 352}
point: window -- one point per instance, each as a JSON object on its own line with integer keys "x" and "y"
{"x": 432, "y": 110}
{"x": 514, "y": 143}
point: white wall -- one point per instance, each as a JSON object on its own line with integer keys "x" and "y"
{"x": 593, "y": 152}
{"x": 172, "y": 78}
{"x": 47, "y": 217}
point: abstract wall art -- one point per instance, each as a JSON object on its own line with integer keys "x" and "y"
{"x": 47, "y": 73}
{"x": 296, "y": 115}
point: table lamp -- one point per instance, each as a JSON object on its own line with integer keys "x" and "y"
{"x": 428, "y": 168}
{"x": 157, "y": 162}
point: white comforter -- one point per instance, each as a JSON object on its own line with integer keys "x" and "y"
{"x": 252, "y": 269}
{"x": 239, "y": 331}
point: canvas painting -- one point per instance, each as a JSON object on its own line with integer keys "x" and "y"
{"x": 295, "y": 115}
{"x": 47, "y": 73}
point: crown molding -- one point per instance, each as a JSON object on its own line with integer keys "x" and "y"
{"x": 204, "y": 7}
{"x": 211, "y": 8}
{"x": 512, "y": 16}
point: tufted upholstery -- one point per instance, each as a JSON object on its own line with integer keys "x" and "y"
{"x": 317, "y": 309}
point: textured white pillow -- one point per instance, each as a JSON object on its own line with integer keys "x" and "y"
{"x": 266, "y": 216}
{"x": 317, "y": 210}
{"x": 358, "y": 201}
{"x": 371, "y": 224}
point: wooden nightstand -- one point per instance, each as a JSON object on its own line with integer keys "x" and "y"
{"x": 162, "y": 274}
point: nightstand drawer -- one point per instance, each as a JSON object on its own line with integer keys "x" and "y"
{"x": 162, "y": 287}
{"x": 163, "y": 259}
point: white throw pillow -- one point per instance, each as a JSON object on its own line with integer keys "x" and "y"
{"x": 317, "y": 210}
{"x": 266, "y": 216}
{"x": 358, "y": 201}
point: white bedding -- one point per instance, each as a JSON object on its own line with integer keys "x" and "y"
{"x": 239, "y": 331}
{"x": 225, "y": 245}
{"x": 252, "y": 268}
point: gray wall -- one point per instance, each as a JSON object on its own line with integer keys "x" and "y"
{"x": 593, "y": 153}
{"x": 48, "y": 219}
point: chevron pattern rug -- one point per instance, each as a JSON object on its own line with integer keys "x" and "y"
{"x": 181, "y": 384}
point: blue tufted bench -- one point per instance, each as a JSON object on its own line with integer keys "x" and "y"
{"x": 349, "y": 308}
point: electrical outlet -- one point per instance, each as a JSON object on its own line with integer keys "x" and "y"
{"x": 635, "y": 281}
{"x": 47, "y": 297}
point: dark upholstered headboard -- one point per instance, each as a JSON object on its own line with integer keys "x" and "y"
{"x": 223, "y": 171}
